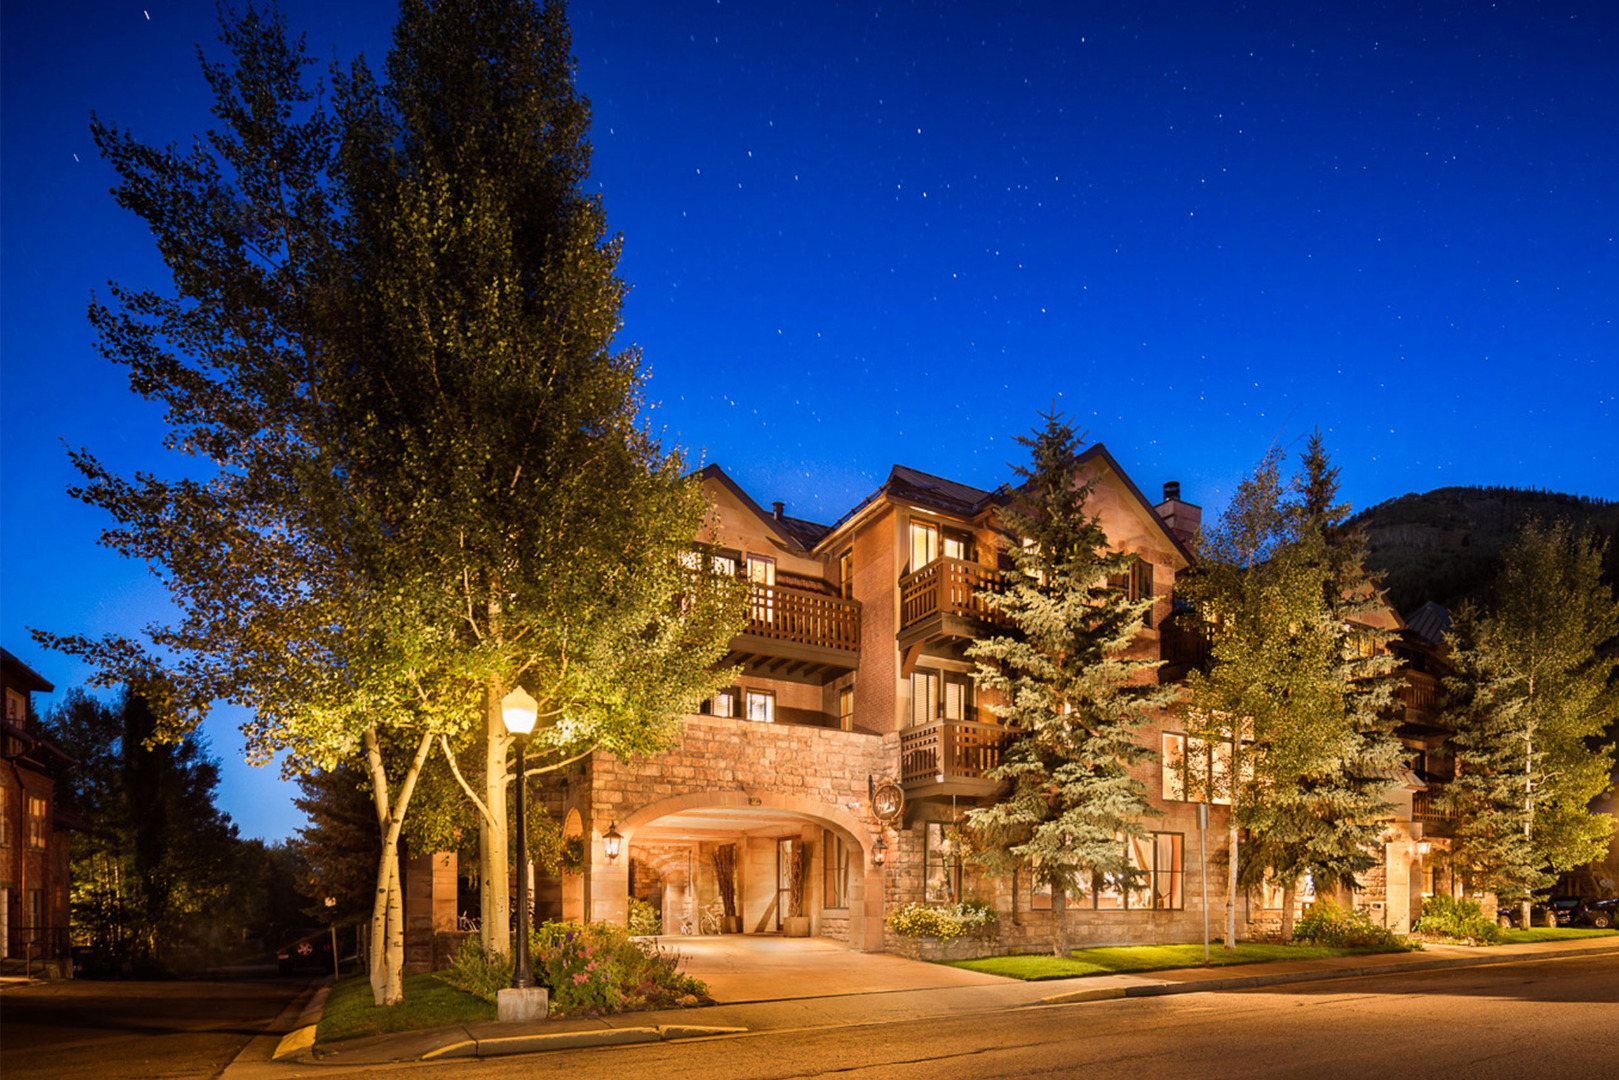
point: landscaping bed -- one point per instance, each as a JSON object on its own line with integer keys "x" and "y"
{"x": 429, "y": 1002}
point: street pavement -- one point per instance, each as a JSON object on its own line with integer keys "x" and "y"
{"x": 770, "y": 985}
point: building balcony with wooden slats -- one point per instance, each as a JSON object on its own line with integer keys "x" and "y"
{"x": 950, "y": 757}
{"x": 941, "y": 601}
{"x": 797, "y": 635}
{"x": 1435, "y": 820}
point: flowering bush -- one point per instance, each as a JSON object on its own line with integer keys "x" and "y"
{"x": 1457, "y": 920}
{"x": 595, "y": 968}
{"x": 477, "y": 972}
{"x": 644, "y": 918}
{"x": 1328, "y": 924}
{"x": 974, "y": 918}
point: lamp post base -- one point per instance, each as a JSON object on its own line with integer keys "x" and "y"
{"x": 517, "y": 1006}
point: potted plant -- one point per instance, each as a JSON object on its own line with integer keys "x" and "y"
{"x": 797, "y": 923}
{"x": 725, "y": 874}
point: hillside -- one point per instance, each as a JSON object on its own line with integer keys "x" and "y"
{"x": 1445, "y": 545}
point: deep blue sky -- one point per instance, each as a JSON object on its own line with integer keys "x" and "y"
{"x": 861, "y": 234}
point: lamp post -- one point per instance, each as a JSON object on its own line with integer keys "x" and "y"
{"x": 518, "y": 710}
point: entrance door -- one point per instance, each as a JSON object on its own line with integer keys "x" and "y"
{"x": 784, "y": 879}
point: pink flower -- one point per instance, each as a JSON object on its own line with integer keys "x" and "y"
{"x": 579, "y": 978}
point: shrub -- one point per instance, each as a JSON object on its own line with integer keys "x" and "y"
{"x": 644, "y": 919}
{"x": 1457, "y": 920}
{"x": 1328, "y": 924}
{"x": 596, "y": 968}
{"x": 478, "y": 973}
{"x": 973, "y": 918}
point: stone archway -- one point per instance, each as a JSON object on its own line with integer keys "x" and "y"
{"x": 709, "y": 817}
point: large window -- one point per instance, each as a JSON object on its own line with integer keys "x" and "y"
{"x": 936, "y": 696}
{"x": 1195, "y": 770}
{"x": 1159, "y": 880}
{"x": 760, "y": 706}
{"x": 762, "y": 573}
{"x": 1136, "y": 584}
{"x": 837, "y": 869}
{"x": 727, "y": 702}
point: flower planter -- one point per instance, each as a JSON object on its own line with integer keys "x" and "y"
{"x": 936, "y": 950}
{"x": 795, "y": 926}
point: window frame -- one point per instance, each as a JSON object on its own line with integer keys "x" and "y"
{"x": 835, "y": 855}
{"x": 751, "y": 694}
{"x": 936, "y": 859}
{"x": 931, "y": 548}
{"x": 846, "y": 709}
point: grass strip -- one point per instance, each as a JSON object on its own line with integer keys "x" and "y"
{"x": 429, "y": 1002}
{"x": 1137, "y": 958}
{"x": 1546, "y": 933}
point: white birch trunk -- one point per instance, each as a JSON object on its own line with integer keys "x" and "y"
{"x": 1231, "y": 884}
{"x": 493, "y": 870}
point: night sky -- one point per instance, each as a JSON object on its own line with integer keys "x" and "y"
{"x": 861, "y": 234}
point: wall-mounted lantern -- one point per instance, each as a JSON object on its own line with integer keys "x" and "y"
{"x": 612, "y": 842}
{"x": 879, "y": 854}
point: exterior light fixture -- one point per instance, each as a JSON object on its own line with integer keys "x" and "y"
{"x": 612, "y": 841}
{"x": 519, "y": 710}
{"x": 879, "y": 854}
{"x": 1423, "y": 847}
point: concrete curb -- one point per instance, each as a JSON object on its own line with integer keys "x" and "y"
{"x": 574, "y": 1040}
{"x": 302, "y": 1036}
{"x": 1160, "y": 989}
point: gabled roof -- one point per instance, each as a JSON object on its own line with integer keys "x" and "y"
{"x": 1430, "y": 622}
{"x": 1097, "y": 451}
{"x": 796, "y": 533}
{"x": 914, "y": 485}
{"x": 26, "y": 677}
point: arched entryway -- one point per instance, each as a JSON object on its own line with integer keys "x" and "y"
{"x": 675, "y": 838}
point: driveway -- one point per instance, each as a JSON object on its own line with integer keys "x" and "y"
{"x": 767, "y": 967}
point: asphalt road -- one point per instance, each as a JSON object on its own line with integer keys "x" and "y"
{"x": 1555, "y": 1019}
{"x": 83, "y": 1030}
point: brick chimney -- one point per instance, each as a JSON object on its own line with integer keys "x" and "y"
{"x": 1182, "y": 518}
{"x": 777, "y": 508}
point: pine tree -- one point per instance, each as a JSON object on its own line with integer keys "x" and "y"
{"x": 1066, "y": 689}
{"x": 1531, "y": 696}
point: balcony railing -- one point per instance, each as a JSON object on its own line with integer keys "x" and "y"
{"x": 1427, "y": 811}
{"x": 1183, "y": 640}
{"x": 782, "y": 613}
{"x": 948, "y": 750}
{"x": 1421, "y": 692}
{"x": 947, "y": 587}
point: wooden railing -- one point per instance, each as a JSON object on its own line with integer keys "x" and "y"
{"x": 1427, "y": 811}
{"x": 1421, "y": 692}
{"x": 782, "y": 613}
{"x": 1183, "y": 639}
{"x": 947, "y": 586}
{"x": 949, "y": 750}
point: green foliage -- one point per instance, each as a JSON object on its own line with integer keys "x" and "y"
{"x": 1457, "y": 920}
{"x": 159, "y": 875}
{"x": 592, "y": 969}
{"x": 644, "y": 918}
{"x": 1138, "y": 958}
{"x": 972, "y": 918}
{"x": 1063, "y": 684}
{"x": 1341, "y": 928}
{"x": 1531, "y": 697}
{"x": 479, "y": 973}
{"x": 338, "y": 845}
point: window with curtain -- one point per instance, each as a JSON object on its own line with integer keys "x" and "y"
{"x": 837, "y": 869}
{"x": 941, "y": 867}
{"x": 1167, "y": 872}
{"x": 727, "y": 702}
{"x": 1193, "y": 770}
{"x": 958, "y": 697}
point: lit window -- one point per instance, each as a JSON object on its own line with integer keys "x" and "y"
{"x": 846, "y": 575}
{"x": 724, "y": 703}
{"x": 924, "y": 544}
{"x": 924, "y": 697}
{"x": 941, "y": 867}
{"x": 36, "y": 822}
{"x": 762, "y": 573}
{"x": 1193, "y": 770}
{"x": 761, "y": 706}
{"x": 846, "y": 708}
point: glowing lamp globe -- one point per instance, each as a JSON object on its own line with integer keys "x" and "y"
{"x": 519, "y": 710}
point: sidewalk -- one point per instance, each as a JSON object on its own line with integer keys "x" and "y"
{"x": 946, "y": 997}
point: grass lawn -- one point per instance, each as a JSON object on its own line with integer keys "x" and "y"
{"x": 1546, "y": 933}
{"x": 1136, "y": 958}
{"x": 429, "y": 1002}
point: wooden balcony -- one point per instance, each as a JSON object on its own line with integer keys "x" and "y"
{"x": 941, "y": 601}
{"x": 1435, "y": 821}
{"x": 950, "y": 757}
{"x": 1420, "y": 695}
{"x": 797, "y": 635}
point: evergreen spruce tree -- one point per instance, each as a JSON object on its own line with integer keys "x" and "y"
{"x": 1531, "y": 697}
{"x": 1066, "y": 688}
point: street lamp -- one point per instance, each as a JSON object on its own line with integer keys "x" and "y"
{"x": 612, "y": 841}
{"x": 518, "y": 710}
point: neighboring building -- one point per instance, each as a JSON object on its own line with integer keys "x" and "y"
{"x": 33, "y": 840}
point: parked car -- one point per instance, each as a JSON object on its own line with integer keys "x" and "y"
{"x": 1565, "y": 910}
{"x": 1602, "y": 914}
{"x": 313, "y": 952}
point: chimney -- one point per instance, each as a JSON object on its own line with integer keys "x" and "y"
{"x": 778, "y": 507}
{"x": 1182, "y": 518}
